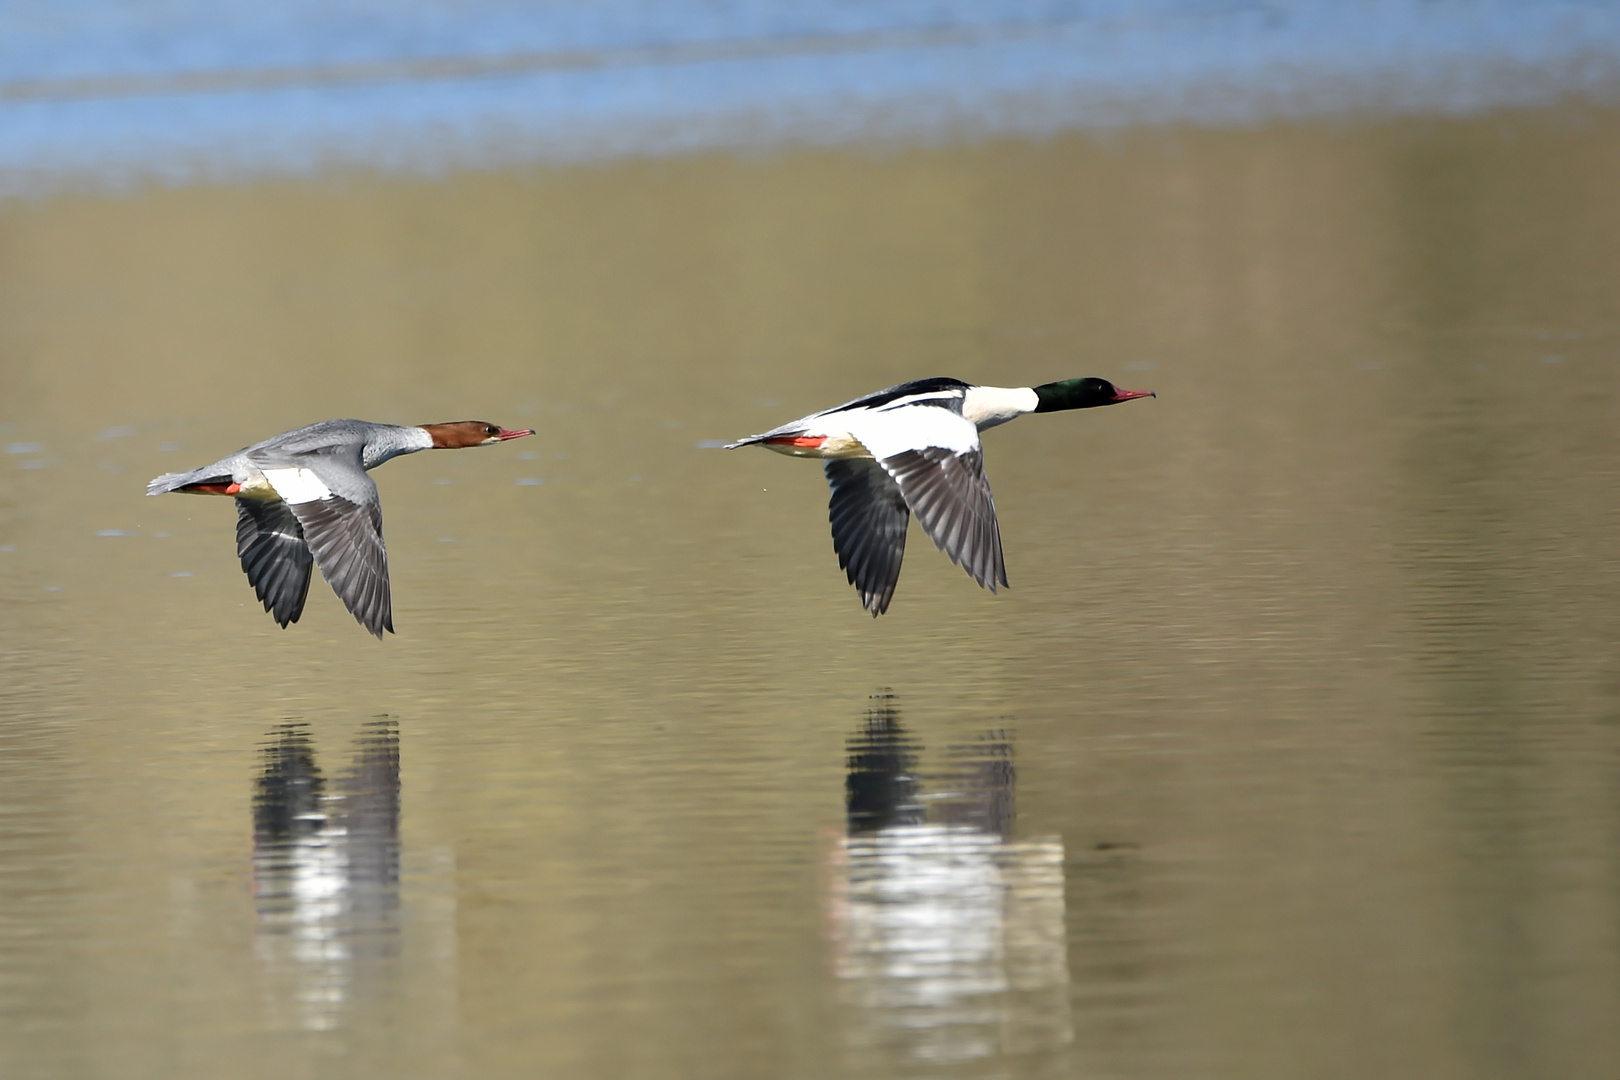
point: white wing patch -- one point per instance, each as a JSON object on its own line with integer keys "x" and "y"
{"x": 297, "y": 485}
{"x": 894, "y": 431}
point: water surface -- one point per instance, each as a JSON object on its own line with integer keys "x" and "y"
{"x": 1292, "y": 749}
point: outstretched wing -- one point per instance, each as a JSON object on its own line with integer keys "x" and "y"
{"x": 346, "y": 540}
{"x": 949, "y": 494}
{"x": 869, "y": 520}
{"x": 336, "y": 505}
{"x": 933, "y": 454}
{"x": 274, "y": 556}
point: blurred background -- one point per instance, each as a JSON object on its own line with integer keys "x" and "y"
{"x": 1294, "y": 748}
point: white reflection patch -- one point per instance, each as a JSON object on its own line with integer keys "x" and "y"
{"x": 949, "y": 942}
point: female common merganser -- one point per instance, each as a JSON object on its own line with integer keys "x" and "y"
{"x": 304, "y": 496}
{"x": 914, "y": 449}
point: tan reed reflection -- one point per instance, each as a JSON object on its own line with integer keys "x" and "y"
{"x": 948, "y": 934}
{"x": 326, "y": 875}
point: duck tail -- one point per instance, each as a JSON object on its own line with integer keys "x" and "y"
{"x": 175, "y": 481}
{"x": 165, "y": 483}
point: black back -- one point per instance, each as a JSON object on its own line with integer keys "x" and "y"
{"x": 895, "y": 393}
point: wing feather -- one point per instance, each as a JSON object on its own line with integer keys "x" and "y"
{"x": 347, "y": 542}
{"x": 274, "y": 556}
{"x": 948, "y": 492}
{"x": 869, "y": 519}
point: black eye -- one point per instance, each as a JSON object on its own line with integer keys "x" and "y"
{"x": 492, "y": 430}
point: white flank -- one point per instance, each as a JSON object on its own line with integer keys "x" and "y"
{"x": 297, "y": 485}
{"x": 893, "y": 431}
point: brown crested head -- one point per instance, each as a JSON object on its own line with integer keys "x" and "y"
{"x": 459, "y": 434}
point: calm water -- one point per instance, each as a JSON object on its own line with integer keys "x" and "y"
{"x": 1293, "y": 750}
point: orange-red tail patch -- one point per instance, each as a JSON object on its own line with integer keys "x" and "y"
{"x": 808, "y": 441}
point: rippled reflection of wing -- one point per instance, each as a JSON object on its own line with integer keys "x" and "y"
{"x": 346, "y": 540}
{"x": 948, "y": 492}
{"x": 869, "y": 520}
{"x": 274, "y": 556}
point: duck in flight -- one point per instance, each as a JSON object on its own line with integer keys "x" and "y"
{"x": 914, "y": 449}
{"x": 303, "y": 497}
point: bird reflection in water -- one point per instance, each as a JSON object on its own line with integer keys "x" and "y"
{"x": 948, "y": 933}
{"x": 325, "y": 873}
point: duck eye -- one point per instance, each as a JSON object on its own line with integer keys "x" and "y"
{"x": 492, "y": 430}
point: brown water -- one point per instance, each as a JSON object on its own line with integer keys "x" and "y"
{"x": 1293, "y": 750}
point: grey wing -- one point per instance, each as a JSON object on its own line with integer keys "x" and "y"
{"x": 346, "y": 540}
{"x": 274, "y": 556}
{"x": 869, "y": 519}
{"x": 325, "y": 437}
{"x": 949, "y": 494}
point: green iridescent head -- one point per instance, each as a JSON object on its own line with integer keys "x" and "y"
{"x": 1085, "y": 393}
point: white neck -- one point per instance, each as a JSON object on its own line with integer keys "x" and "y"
{"x": 988, "y": 406}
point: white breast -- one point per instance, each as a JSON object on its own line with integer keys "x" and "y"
{"x": 988, "y": 406}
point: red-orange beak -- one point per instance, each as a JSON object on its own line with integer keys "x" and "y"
{"x": 1126, "y": 395}
{"x": 504, "y": 435}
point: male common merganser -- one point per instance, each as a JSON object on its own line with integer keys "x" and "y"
{"x": 914, "y": 449}
{"x": 304, "y": 496}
